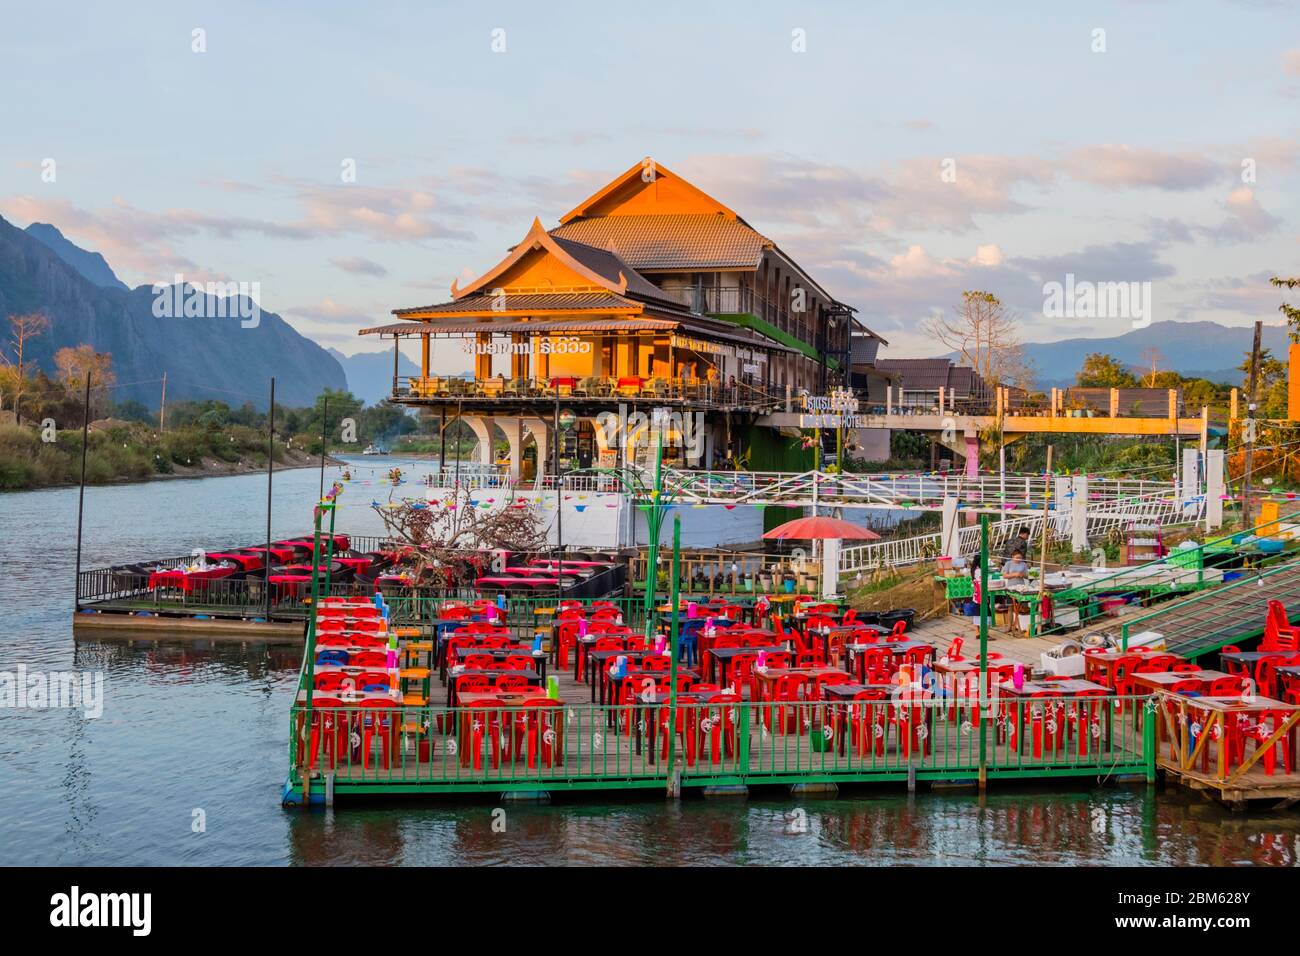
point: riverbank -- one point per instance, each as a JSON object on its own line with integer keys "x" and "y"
{"x": 122, "y": 452}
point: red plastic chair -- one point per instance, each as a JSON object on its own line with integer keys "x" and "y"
{"x": 720, "y": 719}
{"x": 384, "y": 726}
{"x": 325, "y": 718}
{"x": 370, "y": 659}
{"x": 1266, "y": 676}
{"x": 1085, "y": 707}
{"x": 1279, "y": 634}
{"x": 787, "y": 703}
{"x": 334, "y": 680}
{"x": 544, "y": 731}
{"x": 866, "y": 719}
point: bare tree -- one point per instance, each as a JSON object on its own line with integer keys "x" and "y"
{"x": 1151, "y": 359}
{"x": 21, "y": 329}
{"x": 73, "y": 365}
{"x": 447, "y": 540}
{"x": 985, "y": 337}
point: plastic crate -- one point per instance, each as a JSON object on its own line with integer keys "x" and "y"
{"x": 960, "y": 587}
{"x": 1185, "y": 557}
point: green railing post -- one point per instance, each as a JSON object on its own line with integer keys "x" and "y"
{"x": 1148, "y": 742}
{"x": 984, "y": 647}
{"x": 675, "y": 597}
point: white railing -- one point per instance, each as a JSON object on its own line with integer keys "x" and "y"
{"x": 922, "y": 492}
{"x": 1101, "y": 522}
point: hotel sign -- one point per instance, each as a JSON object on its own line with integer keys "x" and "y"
{"x": 836, "y": 410}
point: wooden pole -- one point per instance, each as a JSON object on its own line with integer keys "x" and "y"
{"x": 81, "y": 493}
{"x": 162, "y": 408}
{"x": 1042, "y": 551}
{"x": 270, "y": 467}
{"x": 1249, "y": 435}
{"x": 675, "y": 595}
{"x": 984, "y": 646}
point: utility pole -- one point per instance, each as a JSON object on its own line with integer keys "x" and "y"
{"x": 162, "y": 408}
{"x": 270, "y": 468}
{"x": 1043, "y": 532}
{"x": 81, "y": 494}
{"x": 324, "y": 433}
{"x": 1249, "y": 430}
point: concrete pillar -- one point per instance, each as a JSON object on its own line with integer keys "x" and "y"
{"x": 831, "y": 567}
{"x": 1190, "y": 486}
{"x": 949, "y": 539}
{"x": 483, "y": 432}
{"x": 972, "y": 456}
{"x": 889, "y": 399}
{"x": 541, "y": 435}
{"x": 1079, "y": 513}
{"x": 1214, "y": 489}
{"x": 514, "y": 431}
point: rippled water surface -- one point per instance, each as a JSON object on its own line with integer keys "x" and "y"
{"x": 202, "y": 726}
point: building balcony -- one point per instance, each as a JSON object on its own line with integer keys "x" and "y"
{"x": 415, "y": 390}
{"x": 741, "y": 300}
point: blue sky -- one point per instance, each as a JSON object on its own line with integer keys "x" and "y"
{"x": 1122, "y": 165}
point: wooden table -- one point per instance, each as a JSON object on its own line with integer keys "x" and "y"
{"x": 1212, "y": 712}
{"x": 894, "y": 651}
{"x": 1100, "y": 667}
{"x": 1164, "y": 680}
{"x": 724, "y": 655}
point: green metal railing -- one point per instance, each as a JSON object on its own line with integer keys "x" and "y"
{"x": 590, "y": 747}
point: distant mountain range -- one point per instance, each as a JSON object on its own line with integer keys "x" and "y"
{"x": 204, "y": 358}
{"x": 370, "y": 374}
{"x": 1193, "y": 349}
{"x": 1205, "y": 350}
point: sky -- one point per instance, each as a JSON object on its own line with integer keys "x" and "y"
{"x": 900, "y": 152}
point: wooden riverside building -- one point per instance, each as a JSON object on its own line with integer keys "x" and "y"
{"x": 649, "y": 294}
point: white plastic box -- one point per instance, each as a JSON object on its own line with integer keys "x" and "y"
{"x": 1071, "y": 666}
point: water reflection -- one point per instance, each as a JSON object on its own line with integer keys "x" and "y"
{"x": 204, "y": 725}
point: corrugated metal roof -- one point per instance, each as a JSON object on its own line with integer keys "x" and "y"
{"x": 671, "y": 242}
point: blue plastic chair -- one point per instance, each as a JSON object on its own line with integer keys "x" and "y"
{"x": 333, "y": 656}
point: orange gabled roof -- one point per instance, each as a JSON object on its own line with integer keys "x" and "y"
{"x": 643, "y": 188}
{"x": 537, "y": 239}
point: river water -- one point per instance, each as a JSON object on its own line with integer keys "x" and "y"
{"x": 198, "y": 732}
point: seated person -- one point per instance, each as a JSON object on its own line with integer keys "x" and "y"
{"x": 1016, "y": 566}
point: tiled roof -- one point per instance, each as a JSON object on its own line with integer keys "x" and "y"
{"x": 540, "y": 302}
{"x": 513, "y": 324}
{"x": 928, "y": 375}
{"x": 671, "y": 242}
{"x": 918, "y": 374}
{"x": 611, "y": 266}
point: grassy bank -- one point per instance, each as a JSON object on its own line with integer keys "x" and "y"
{"x": 129, "y": 451}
